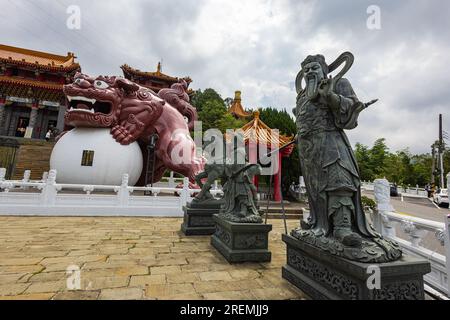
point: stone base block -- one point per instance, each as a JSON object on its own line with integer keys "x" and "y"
{"x": 198, "y": 219}
{"x": 241, "y": 242}
{"x": 323, "y": 276}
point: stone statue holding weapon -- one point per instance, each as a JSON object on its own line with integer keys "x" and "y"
{"x": 325, "y": 108}
{"x": 239, "y": 192}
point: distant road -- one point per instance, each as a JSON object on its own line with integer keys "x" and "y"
{"x": 416, "y": 207}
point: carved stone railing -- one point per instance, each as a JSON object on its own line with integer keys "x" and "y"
{"x": 390, "y": 224}
{"x": 413, "y": 192}
{"x": 367, "y": 185}
{"x": 47, "y": 197}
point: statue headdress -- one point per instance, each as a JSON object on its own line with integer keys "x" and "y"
{"x": 346, "y": 57}
{"x": 316, "y": 58}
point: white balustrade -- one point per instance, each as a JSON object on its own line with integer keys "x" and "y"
{"x": 415, "y": 229}
{"x": 46, "y": 197}
{"x": 407, "y": 192}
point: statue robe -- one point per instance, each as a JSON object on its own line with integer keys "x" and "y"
{"x": 239, "y": 190}
{"x": 326, "y": 157}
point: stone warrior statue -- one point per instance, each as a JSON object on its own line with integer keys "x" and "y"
{"x": 325, "y": 107}
{"x": 240, "y": 193}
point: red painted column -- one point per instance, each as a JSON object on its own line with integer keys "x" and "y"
{"x": 253, "y": 156}
{"x": 277, "y": 180}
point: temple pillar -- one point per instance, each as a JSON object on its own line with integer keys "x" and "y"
{"x": 2, "y": 115}
{"x": 253, "y": 156}
{"x": 61, "y": 112}
{"x": 32, "y": 122}
{"x": 277, "y": 181}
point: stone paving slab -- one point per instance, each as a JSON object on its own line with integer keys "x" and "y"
{"x": 129, "y": 258}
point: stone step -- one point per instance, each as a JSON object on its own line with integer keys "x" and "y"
{"x": 287, "y": 210}
{"x": 277, "y": 213}
{"x": 280, "y": 216}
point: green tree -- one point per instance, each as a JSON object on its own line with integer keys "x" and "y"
{"x": 227, "y": 121}
{"x": 200, "y": 98}
{"x": 362, "y": 154}
{"x": 211, "y": 113}
{"x": 378, "y": 155}
{"x": 280, "y": 120}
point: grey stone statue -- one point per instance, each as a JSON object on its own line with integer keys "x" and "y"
{"x": 325, "y": 108}
{"x": 240, "y": 192}
{"x": 211, "y": 173}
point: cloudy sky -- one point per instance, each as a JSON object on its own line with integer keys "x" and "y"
{"x": 256, "y": 46}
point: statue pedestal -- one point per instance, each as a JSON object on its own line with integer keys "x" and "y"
{"x": 198, "y": 218}
{"x": 323, "y": 276}
{"x": 241, "y": 242}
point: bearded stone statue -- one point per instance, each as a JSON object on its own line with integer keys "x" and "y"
{"x": 325, "y": 108}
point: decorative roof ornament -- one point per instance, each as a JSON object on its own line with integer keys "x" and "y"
{"x": 236, "y": 109}
{"x": 158, "y": 68}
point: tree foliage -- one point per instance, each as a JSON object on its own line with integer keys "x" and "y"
{"x": 400, "y": 167}
{"x": 212, "y": 111}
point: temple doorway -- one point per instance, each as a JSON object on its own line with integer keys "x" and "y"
{"x": 22, "y": 124}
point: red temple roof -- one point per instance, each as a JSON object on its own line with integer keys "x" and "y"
{"x": 128, "y": 71}
{"x": 37, "y": 59}
{"x": 34, "y": 74}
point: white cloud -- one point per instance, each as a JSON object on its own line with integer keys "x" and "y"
{"x": 256, "y": 46}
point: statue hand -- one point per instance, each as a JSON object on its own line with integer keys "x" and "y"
{"x": 326, "y": 87}
{"x": 326, "y": 92}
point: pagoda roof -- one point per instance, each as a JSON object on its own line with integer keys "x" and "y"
{"x": 258, "y": 132}
{"x": 257, "y": 129}
{"x": 37, "y": 59}
{"x": 11, "y": 86}
{"x": 236, "y": 108}
{"x": 127, "y": 70}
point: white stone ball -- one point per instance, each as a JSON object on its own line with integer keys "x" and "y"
{"x": 110, "y": 160}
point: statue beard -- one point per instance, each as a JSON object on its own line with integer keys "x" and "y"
{"x": 312, "y": 84}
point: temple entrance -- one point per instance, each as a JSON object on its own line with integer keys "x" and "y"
{"x": 21, "y": 127}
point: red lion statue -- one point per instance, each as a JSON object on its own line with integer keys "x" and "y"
{"x": 134, "y": 113}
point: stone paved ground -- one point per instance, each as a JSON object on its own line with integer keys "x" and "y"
{"x": 129, "y": 258}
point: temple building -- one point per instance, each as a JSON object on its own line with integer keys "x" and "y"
{"x": 31, "y": 95}
{"x": 152, "y": 80}
{"x": 257, "y": 134}
{"x": 236, "y": 109}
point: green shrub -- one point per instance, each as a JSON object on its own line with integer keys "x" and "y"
{"x": 367, "y": 202}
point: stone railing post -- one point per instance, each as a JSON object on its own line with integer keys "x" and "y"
{"x": 447, "y": 251}
{"x": 26, "y": 177}
{"x": 50, "y": 190}
{"x": 2, "y": 174}
{"x": 448, "y": 185}
{"x": 383, "y": 199}
{"x": 123, "y": 192}
{"x": 185, "y": 192}
{"x": 171, "y": 180}
{"x": 415, "y": 234}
